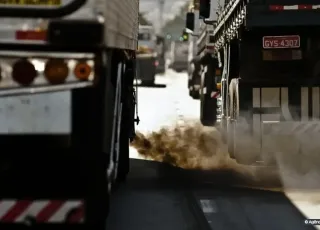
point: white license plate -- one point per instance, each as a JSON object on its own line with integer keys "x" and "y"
{"x": 281, "y": 42}
{"x": 36, "y": 114}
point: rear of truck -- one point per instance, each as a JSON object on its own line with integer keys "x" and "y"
{"x": 278, "y": 62}
{"x": 57, "y": 109}
{"x": 160, "y": 62}
{"x": 179, "y": 60}
{"x": 147, "y": 55}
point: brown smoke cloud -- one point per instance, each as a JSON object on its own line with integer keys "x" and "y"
{"x": 195, "y": 147}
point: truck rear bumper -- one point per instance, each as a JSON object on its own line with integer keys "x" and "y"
{"x": 146, "y": 68}
{"x": 52, "y": 187}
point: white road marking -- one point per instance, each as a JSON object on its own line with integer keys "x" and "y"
{"x": 208, "y": 206}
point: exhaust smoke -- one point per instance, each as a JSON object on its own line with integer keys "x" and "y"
{"x": 195, "y": 147}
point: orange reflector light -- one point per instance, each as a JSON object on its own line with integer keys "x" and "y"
{"x": 56, "y": 71}
{"x": 218, "y": 72}
{"x": 219, "y": 86}
{"x": 82, "y": 71}
{"x": 39, "y": 35}
{"x": 24, "y": 72}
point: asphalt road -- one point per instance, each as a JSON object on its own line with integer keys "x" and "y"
{"x": 158, "y": 196}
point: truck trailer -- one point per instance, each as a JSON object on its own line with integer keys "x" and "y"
{"x": 268, "y": 53}
{"x": 67, "y": 110}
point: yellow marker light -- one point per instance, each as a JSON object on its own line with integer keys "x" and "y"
{"x": 56, "y": 71}
{"x": 218, "y": 86}
{"x": 218, "y": 72}
{"x": 82, "y": 71}
{"x": 24, "y": 72}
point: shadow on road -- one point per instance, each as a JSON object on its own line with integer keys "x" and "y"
{"x": 153, "y": 86}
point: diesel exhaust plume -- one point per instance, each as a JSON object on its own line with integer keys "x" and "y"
{"x": 195, "y": 147}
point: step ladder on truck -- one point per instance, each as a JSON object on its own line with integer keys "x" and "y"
{"x": 67, "y": 109}
{"x": 267, "y": 100}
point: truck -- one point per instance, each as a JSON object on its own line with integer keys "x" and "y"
{"x": 267, "y": 56}
{"x": 179, "y": 55}
{"x": 200, "y": 48}
{"x": 194, "y": 66}
{"x": 67, "y": 110}
{"x": 147, "y": 55}
{"x": 161, "y": 51}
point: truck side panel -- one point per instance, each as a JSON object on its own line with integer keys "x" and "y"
{"x": 121, "y": 22}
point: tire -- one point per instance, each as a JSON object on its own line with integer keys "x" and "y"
{"x": 91, "y": 104}
{"x": 127, "y": 122}
{"x": 233, "y": 106}
{"x": 120, "y": 132}
{"x": 195, "y": 94}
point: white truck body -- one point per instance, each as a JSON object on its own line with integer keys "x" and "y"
{"x": 50, "y": 112}
{"x": 120, "y": 21}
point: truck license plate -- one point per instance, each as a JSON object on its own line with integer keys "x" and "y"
{"x": 281, "y": 42}
{"x": 36, "y": 114}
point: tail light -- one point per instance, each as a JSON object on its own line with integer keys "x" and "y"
{"x": 38, "y": 35}
{"x": 156, "y": 63}
{"x": 218, "y": 72}
{"x": 82, "y": 71}
{"x": 29, "y": 73}
{"x": 218, "y": 85}
{"x": 56, "y": 71}
{"x": 24, "y": 72}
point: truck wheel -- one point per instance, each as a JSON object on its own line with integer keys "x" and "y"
{"x": 123, "y": 162}
{"x": 124, "y": 159}
{"x": 234, "y": 114}
{"x": 126, "y": 123}
{"x": 195, "y": 94}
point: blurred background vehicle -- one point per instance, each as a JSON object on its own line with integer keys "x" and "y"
{"x": 179, "y": 56}
{"x": 161, "y": 51}
{"x": 147, "y": 61}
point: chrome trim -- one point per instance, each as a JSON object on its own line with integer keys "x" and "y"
{"x": 43, "y": 89}
{"x": 37, "y": 54}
